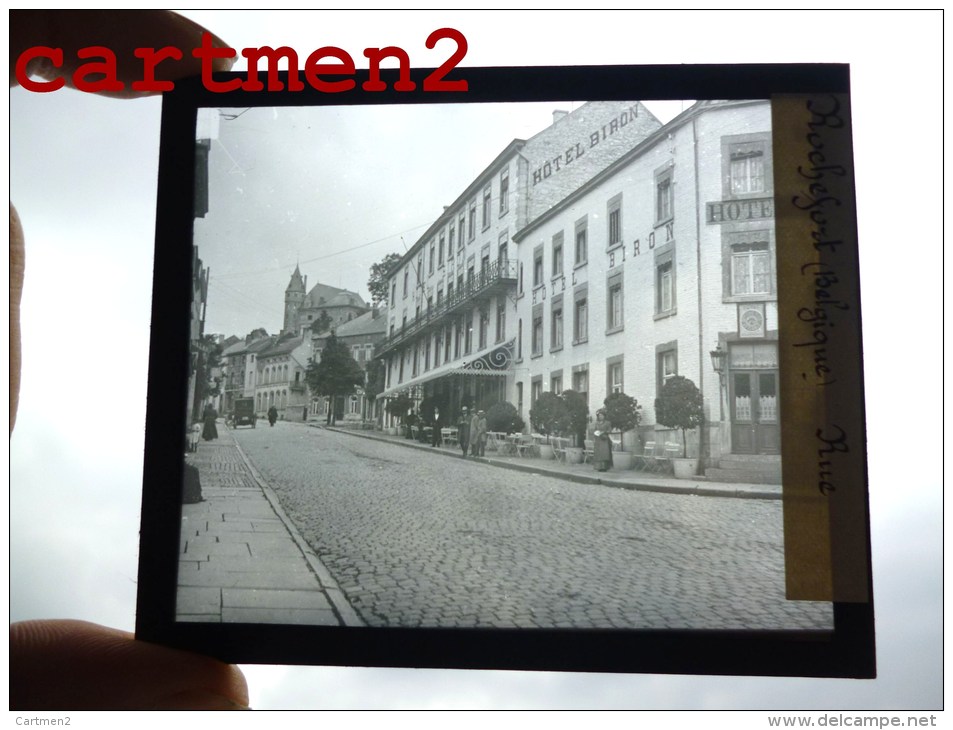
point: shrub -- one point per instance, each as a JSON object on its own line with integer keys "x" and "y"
{"x": 577, "y": 418}
{"x": 680, "y": 405}
{"x": 504, "y": 417}
{"x": 549, "y": 414}
{"x": 622, "y": 411}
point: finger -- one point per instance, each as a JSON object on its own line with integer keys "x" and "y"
{"x": 17, "y": 264}
{"x": 121, "y": 31}
{"x": 75, "y": 665}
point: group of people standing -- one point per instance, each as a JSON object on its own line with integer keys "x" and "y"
{"x": 471, "y": 432}
{"x": 472, "y": 436}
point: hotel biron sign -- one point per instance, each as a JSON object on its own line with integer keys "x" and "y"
{"x": 739, "y": 211}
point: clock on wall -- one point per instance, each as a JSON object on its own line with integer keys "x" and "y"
{"x": 751, "y": 320}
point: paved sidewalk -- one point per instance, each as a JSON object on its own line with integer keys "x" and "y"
{"x": 242, "y": 559}
{"x": 623, "y": 479}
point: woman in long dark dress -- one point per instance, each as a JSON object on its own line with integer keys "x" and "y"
{"x": 601, "y": 445}
{"x": 209, "y": 416}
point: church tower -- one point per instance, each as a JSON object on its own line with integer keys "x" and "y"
{"x": 294, "y": 298}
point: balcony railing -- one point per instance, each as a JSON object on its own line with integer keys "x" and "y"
{"x": 497, "y": 276}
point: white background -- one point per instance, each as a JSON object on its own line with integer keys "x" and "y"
{"x": 83, "y": 174}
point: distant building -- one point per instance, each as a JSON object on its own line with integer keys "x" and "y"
{"x": 327, "y": 304}
{"x": 197, "y": 348}
{"x": 241, "y": 367}
{"x": 281, "y": 368}
{"x": 361, "y": 335}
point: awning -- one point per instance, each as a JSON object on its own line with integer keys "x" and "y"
{"x": 495, "y": 362}
{"x": 492, "y": 363}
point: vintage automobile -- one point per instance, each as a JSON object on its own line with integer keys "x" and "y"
{"x": 244, "y": 413}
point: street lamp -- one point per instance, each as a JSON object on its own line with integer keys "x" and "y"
{"x": 719, "y": 358}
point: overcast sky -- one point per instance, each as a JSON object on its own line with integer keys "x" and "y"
{"x": 83, "y": 172}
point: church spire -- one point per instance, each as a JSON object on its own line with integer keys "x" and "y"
{"x": 297, "y": 283}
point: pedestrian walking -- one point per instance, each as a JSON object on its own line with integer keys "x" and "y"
{"x": 463, "y": 430}
{"x": 209, "y": 416}
{"x": 601, "y": 444}
{"x": 478, "y": 433}
{"x": 272, "y": 416}
{"x": 436, "y": 438}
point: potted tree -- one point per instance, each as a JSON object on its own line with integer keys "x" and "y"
{"x": 548, "y": 416}
{"x": 680, "y": 405}
{"x": 398, "y": 408}
{"x": 624, "y": 413}
{"x": 504, "y": 418}
{"x": 577, "y": 419}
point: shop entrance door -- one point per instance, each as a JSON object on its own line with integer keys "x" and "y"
{"x": 754, "y": 412}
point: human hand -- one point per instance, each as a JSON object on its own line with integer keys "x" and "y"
{"x": 65, "y": 664}
{"x": 74, "y": 665}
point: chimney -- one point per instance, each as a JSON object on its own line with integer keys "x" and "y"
{"x": 375, "y": 312}
{"x": 559, "y": 114}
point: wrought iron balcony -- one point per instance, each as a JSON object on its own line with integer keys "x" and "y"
{"x": 496, "y": 278}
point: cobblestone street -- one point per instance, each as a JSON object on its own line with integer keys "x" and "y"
{"x": 417, "y": 538}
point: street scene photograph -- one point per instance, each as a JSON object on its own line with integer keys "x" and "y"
{"x": 505, "y": 366}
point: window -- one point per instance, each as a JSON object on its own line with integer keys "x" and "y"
{"x": 556, "y": 383}
{"x": 440, "y": 250}
{"x": 446, "y": 344}
{"x": 504, "y": 192}
{"x": 751, "y": 268}
{"x": 484, "y": 327}
{"x": 614, "y": 312}
{"x": 501, "y": 321}
{"x": 393, "y": 293}
{"x": 457, "y": 338}
{"x": 556, "y": 337}
{"x": 666, "y": 364}
{"x": 582, "y": 242}
{"x": 663, "y": 196}
{"x": 436, "y": 349}
{"x": 665, "y": 291}
{"x": 558, "y": 254}
{"x": 450, "y": 291}
{"x": 427, "y": 355}
{"x": 580, "y": 380}
{"x": 580, "y": 325}
{"x": 461, "y": 229}
{"x": 664, "y": 286}
{"x": 614, "y": 374}
{"x": 746, "y": 165}
{"x": 487, "y": 196}
{"x": 501, "y": 257}
{"x": 537, "y": 266}
{"x": 432, "y": 256}
{"x": 467, "y": 333}
{"x": 450, "y": 241}
{"x": 614, "y": 216}
{"x": 537, "y": 340}
{"x": 471, "y": 229}
{"x": 536, "y": 390}
{"x": 519, "y": 339}
{"x": 747, "y": 168}
{"x": 406, "y": 280}
{"x": 519, "y": 398}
